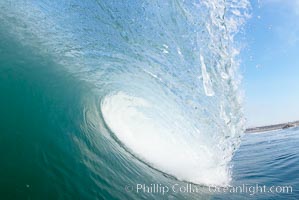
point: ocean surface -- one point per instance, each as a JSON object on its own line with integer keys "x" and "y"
{"x": 131, "y": 100}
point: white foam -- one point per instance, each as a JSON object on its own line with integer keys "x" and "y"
{"x": 161, "y": 142}
{"x": 207, "y": 84}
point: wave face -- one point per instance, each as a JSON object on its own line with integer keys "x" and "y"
{"x": 164, "y": 74}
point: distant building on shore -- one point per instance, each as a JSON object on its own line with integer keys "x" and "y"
{"x": 272, "y": 127}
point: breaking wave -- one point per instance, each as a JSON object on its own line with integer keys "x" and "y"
{"x": 165, "y": 74}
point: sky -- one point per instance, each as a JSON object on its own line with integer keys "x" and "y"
{"x": 270, "y": 62}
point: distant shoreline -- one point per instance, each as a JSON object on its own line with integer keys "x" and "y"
{"x": 272, "y": 127}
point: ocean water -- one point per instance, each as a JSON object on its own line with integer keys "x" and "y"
{"x": 268, "y": 159}
{"x": 99, "y": 98}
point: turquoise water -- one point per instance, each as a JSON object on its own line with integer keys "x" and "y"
{"x": 98, "y": 97}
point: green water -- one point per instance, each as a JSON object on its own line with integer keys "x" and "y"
{"x": 40, "y": 112}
